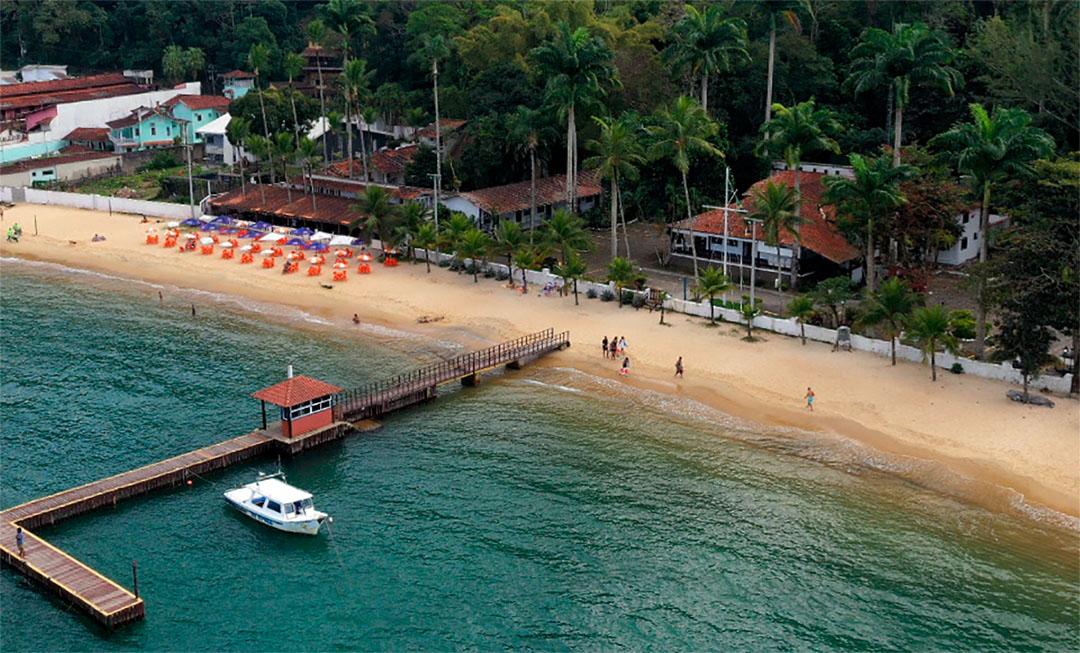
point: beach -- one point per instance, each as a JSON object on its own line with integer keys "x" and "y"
{"x": 965, "y": 424}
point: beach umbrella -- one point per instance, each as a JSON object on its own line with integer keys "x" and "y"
{"x": 206, "y": 241}
{"x": 270, "y": 238}
{"x": 296, "y": 242}
{"x": 246, "y": 248}
{"x": 191, "y": 222}
{"x": 342, "y": 253}
{"x": 190, "y": 236}
{"x": 174, "y": 224}
{"x": 320, "y": 247}
{"x": 303, "y": 231}
{"x": 340, "y": 266}
{"x": 262, "y": 226}
{"x": 321, "y": 236}
{"x": 222, "y": 219}
{"x": 224, "y": 244}
{"x": 209, "y": 227}
{"x": 340, "y": 240}
{"x": 357, "y": 242}
{"x": 267, "y": 252}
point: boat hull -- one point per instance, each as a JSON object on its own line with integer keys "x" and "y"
{"x": 307, "y": 526}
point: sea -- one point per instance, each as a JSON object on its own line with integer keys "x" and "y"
{"x": 546, "y": 509}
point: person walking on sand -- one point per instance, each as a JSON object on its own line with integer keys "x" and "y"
{"x": 625, "y": 371}
{"x": 604, "y": 347}
{"x": 623, "y": 345}
{"x": 678, "y": 368}
{"x": 193, "y": 310}
{"x": 356, "y": 318}
{"x": 810, "y": 399}
{"x": 20, "y": 541}
{"x": 613, "y": 347}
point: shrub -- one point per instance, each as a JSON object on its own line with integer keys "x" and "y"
{"x": 502, "y": 276}
{"x": 591, "y": 293}
{"x": 161, "y": 161}
{"x": 638, "y": 301}
{"x": 457, "y": 266}
{"x": 627, "y": 297}
{"x": 444, "y": 263}
{"x": 607, "y": 296}
{"x": 957, "y": 368}
{"x": 962, "y": 323}
{"x": 489, "y": 273}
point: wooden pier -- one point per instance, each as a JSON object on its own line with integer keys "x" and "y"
{"x": 112, "y": 605}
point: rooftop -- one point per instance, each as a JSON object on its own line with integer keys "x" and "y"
{"x": 818, "y": 231}
{"x": 45, "y": 162}
{"x": 295, "y": 391}
{"x": 73, "y": 89}
{"x": 238, "y": 74}
{"x": 200, "y": 102}
{"x": 279, "y": 491}
{"x": 518, "y": 197}
{"x": 386, "y": 161}
{"x": 88, "y": 134}
{"x": 445, "y": 125}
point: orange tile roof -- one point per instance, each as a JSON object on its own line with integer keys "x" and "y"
{"x": 44, "y": 162}
{"x": 818, "y": 231}
{"x": 445, "y": 124}
{"x": 518, "y": 197}
{"x": 385, "y": 161}
{"x": 88, "y": 134}
{"x": 200, "y": 102}
{"x": 328, "y": 209}
{"x": 295, "y": 391}
{"x": 238, "y": 74}
{"x": 61, "y": 85}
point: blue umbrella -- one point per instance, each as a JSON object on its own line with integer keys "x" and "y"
{"x": 296, "y": 242}
{"x": 320, "y": 247}
{"x": 303, "y": 231}
{"x": 222, "y": 219}
{"x": 210, "y": 227}
{"x": 191, "y": 222}
{"x": 357, "y": 242}
{"x": 262, "y": 226}
{"x": 253, "y": 233}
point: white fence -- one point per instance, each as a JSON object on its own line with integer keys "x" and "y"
{"x": 96, "y": 202}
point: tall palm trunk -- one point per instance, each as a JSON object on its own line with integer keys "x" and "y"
{"x": 571, "y": 160}
{"x": 797, "y": 248}
{"x": 772, "y": 62}
{"x": 871, "y": 272}
{"x": 532, "y": 192}
{"x": 266, "y": 127}
{"x": 705, "y": 92}
{"x": 243, "y": 181}
{"x": 438, "y": 138}
{"x": 322, "y": 112}
{"x": 295, "y": 120}
{"x": 690, "y": 221}
{"x": 933, "y": 362}
{"x": 984, "y": 251}
{"x": 363, "y": 143}
{"x": 898, "y": 128}
{"x": 622, "y": 215}
{"x": 348, "y": 128}
{"x": 614, "y": 216}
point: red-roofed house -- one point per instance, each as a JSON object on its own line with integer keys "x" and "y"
{"x": 489, "y": 206}
{"x": 91, "y": 138}
{"x": 387, "y": 165}
{"x": 236, "y": 84}
{"x": 823, "y": 251}
{"x": 306, "y": 404}
{"x": 197, "y": 111}
{"x": 145, "y": 128}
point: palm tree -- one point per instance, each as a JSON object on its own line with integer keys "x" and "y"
{"x": 801, "y": 308}
{"x": 775, "y": 206}
{"x": 356, "y": 79}
{"x": 794, "y": 132}
{"x": 259, "y": 59}
{"x": 378, "y": 212}
{"x": 573, "y": 269}
{"x": 347, "y": 18}
{"x": 316, "y": 33}
{"x": 775, "y": 8}
{"x": 528, "y": 130}
{"x": 910, "y": 53}
{"x": 707, "y": 43}
{"x": 413, "y": 216}
{"x": 333, "y": 120}
{"x": 566, "y": 232}
{"x": 454, "y": 230}
{"x": 261, "y": 147}
{"x": 681, "y": 132}
{"x": 509, "y": 237}
{"x": 869, "y": 195}
{"x": 239, "y": 131}
{"x": 621, "y": 271}
{"x": 989, "y": 150}
{"x": 426, "y": 238}
{"x": 294, "y": 67}
{"x": 577, "y": 66}
{"x": 525, "y": 259}
{"x": 712, "y": 283}
{"x": 890, "y": 306}
{"x": 931, "y": 327}
{"x": 474, "y": 245}
{"x": 434, "y": 48}
{"x": 749, "y": 311}
{"x": 282, "y": 147}
{"x": 307, "y": 154}
{"x": 619, "y": 153}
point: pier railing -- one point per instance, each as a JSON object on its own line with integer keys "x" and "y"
{"x": 372, "y": 398}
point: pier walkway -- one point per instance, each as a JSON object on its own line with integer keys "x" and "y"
{"x": 112, "y": 605}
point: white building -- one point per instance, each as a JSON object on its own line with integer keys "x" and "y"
{"x": 967, "y": 243}
{"x": 218, "y": 148}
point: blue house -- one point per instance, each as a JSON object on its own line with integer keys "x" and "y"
{"x": 237, "y": 83}
{"x": 197, "y": 111}
{"x": 145, "y": 128}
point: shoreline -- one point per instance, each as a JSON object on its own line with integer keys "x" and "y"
{"x": 860, "y": 398}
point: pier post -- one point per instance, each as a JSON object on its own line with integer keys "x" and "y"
{"x": 135, "y": 576}
{"x": 470, "y": 381}
{"x": 263, "y": 414}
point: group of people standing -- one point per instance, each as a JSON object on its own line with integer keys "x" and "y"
{"x": 614, "y": 348}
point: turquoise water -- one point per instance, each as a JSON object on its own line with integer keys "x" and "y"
{"x": 542, "y": 510}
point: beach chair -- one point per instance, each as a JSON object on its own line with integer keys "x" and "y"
{"x": 269, "y": 262}
{"x": 206, "y": 250}
{"x": 227, "y": 253}
{"x": 364, "y": 267}
{"x": 247, "y": 257}
{"x": 341, "y": 275}
{"x": 314, "y": 271}
{"x": 152, "y": 239}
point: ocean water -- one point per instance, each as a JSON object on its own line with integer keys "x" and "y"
{"x": 546, "y": 509}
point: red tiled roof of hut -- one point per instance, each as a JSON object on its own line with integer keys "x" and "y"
{"x": 517, "y": 197}
{"x": 295, "y": 391}
{"x": 200, "y": 102}
{"x": 818, "y": 231}
{"x": 93, "y": 134}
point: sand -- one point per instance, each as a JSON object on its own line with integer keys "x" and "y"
{"x": 962, "y": 422}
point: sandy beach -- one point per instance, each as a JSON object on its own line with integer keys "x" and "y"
{"x": 962, "y": 422}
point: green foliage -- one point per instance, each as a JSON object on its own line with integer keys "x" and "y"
{"x": 833, "y": 294}
{"x": 930, "y": 328}
{"x": 161, "y": 161}
{"x": 801, "y": 307}
{"x": 776, "y": 206}
{"x": 711, "y": 283}
{"x": 890, "y": 307}
{"x": 182, "y": 64}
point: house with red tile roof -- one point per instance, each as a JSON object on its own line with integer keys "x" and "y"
{"x": 146, "y": 128}
{"x": 197, "y": 111}
{"x": 490, "y": 206}
{"x": 387, "y": 165}
{"x": 91, "y": 138}
{"x": 236, "y": 84}
{"x": 724, "y": 238}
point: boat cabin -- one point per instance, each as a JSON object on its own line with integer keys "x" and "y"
{"x": 275, "y": 496}
{"x": 306, "y": 404}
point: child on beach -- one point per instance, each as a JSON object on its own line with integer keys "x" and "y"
{"x": 809, "y": 399}
{"x": 623, "y": 345}
{"x": 678, "y": 368}
{"x": 604, "y": 346}
{"x": 625, "y": 371}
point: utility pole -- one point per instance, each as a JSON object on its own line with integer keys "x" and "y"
{"x": 436, "y": 182}
{"x": 190, "y": 180}
{"x": 730, "y": 198}
{"x": 753, "y": 257}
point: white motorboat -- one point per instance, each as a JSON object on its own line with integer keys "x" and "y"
{"x": 277, "y": 504}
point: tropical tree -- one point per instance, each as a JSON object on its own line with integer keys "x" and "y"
{"x": 334, "y": 120}
{"x": 801, "y": 308}
{"x": 294, "y": 67}
{"x": 1024, "y": 338}
{"x": 682, "y": 131}
{"x": 930, "y": 328}
{"x": 433, "y": 49}
{"x": 427, "y": 238}
{"x": 379, "y": 212}
{"x": 712, "y": 283}
{"x": 525, "y": 259}
{"x": 454, "y": 230}
{"x": 348, "y": 19}
{"x": 619, "y": 153}
{"x": 869, "y": 195}
{"x": 258, "y": 60}
{"x": 577, "y": 66}
{"x": 527, "y": 129}
{"x": 474, "y": 245}
{"x": 989, "y": 150}
{"x": 307, "y": 155}
{"x": 413, "y": 215}
{"x": 910, "y": 53}
{"x": 316, "y": 34}
{"x": 573, "y": 269}
{"x": 566, "y": 232}
{"x": 775, "y": 206}
{"x": 706, "y": 42}
{"x": 179, "y": 63}
{"x": 621, "y": 271}
{"x": 262, "y": 148}
{"x": 238, "y": 132}
{"x": 890, "y": 307}
{"x": 356, "y": 80}
{"x": 834, "y": 293}
{"x": 749, "y": 311}
{"x": 509, "y": 237}
{"x": 775, "y": 9}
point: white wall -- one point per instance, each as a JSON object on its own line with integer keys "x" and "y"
{"x": 102, "y": 203}
{"x": 967, "y": 243}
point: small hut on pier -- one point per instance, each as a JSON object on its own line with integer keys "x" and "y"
{"x": 306, "y": 404}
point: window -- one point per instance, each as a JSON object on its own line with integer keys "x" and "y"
{"x": 198, "y": 116}
{"x": 967, "y": 216}
{"x": 258, "y": 501}
{"x": 273, "y": 506}
{"x": 136, "y": 131}
{"x": 310, "y": 407}
{"x": 153, "y": 130}
{"x": 963, "y": 243}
